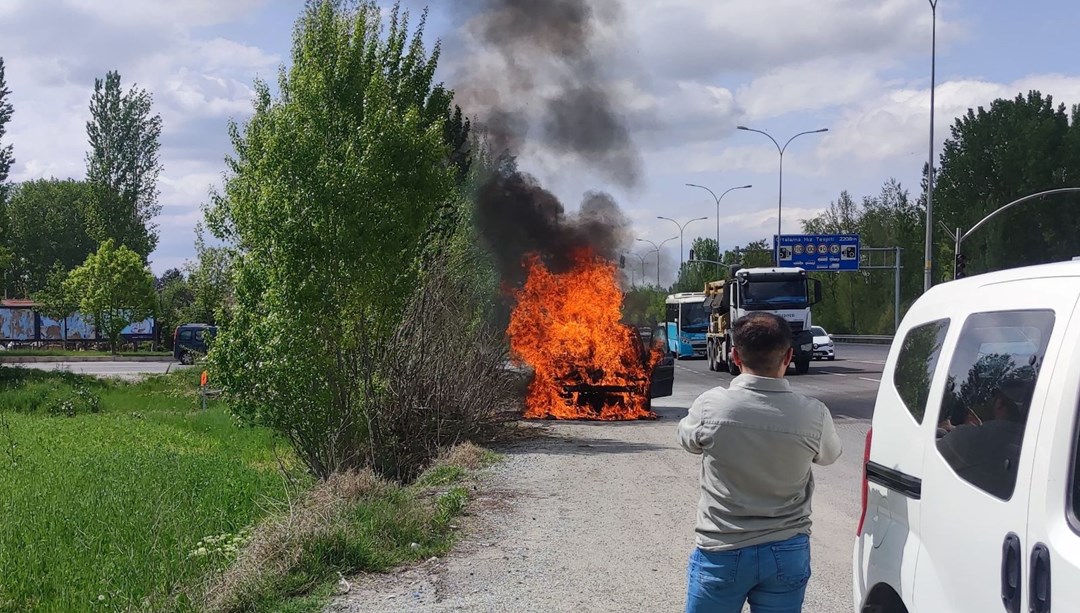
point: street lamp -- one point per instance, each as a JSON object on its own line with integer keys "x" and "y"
{"x": 718, "y": 208}
{"x": 780, "y": 193}
{"x": 929, "y": 252}
{"x": 657, "y": 249}
{"x": 642, "y": 258}
{"x": 682, "y": 227}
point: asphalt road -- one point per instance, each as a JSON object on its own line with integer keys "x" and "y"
{"x": 122, "y": 370}
{"x": 600, "y": 516}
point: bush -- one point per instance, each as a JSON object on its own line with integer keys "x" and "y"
{"x": 58, "y": 394}
{"x": 351, "y": 522}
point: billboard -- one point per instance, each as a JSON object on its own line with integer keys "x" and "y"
{"x": 821, "y": 252}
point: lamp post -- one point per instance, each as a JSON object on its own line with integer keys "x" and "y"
{"x": 656, "y": 248}
{"x": 682, "y": 227}
{"x": 780, "y": 193}
{"x": 642, "y": 258}
{"x": 929, "y": 247}
{"x": 718, "y": 209}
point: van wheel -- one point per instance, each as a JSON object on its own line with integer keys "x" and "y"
{"x": 187, "y": 359}
{"x": 802, "y": 367}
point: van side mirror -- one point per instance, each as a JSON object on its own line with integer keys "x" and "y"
{"x": 817, "y": 290}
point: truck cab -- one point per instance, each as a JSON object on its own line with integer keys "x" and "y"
{"x": 786, "y": 292}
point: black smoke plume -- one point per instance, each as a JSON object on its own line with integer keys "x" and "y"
{"x": 534, "y": 77}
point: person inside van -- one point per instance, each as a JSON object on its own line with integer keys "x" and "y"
{"x": 985, "y": 453}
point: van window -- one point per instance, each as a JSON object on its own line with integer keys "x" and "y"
{"x": 200, "y": 335}
{"x": 916, "y": 364}
{"x": 185, "y": 335}
{"x": 984, "y": 408}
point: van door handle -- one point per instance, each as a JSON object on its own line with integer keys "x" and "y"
{"x": 1039, "y": 591}
{"x": 1010, "y": 573}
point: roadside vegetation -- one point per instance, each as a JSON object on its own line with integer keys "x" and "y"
{"x": 121, "y": 496}
{"x": 109, "y": 487}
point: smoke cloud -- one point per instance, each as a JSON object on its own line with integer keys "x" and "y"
{"x": 534, "y": 76}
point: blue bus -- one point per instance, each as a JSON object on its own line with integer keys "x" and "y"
{"x": 687, "y": 322}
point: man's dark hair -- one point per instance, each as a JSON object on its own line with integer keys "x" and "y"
{"x": 761, "y": 339}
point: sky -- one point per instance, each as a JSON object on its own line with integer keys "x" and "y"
{"x": 686, "y": 73}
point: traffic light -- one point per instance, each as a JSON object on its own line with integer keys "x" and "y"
{"x": 691, "y": 254}
{"x": 961, "y": 265}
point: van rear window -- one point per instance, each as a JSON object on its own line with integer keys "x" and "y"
{"x": 984, "y": 410}
{"x": 916, "y": 364}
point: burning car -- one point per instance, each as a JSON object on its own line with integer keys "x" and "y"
{"x": 586, "y": 363}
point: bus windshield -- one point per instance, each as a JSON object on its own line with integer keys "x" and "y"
{"x": 784, "y": 294}
{"x": 695, "y": 318}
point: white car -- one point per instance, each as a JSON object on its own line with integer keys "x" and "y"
{"x": 971, "y": 486}
{"x": 824, "y": 348}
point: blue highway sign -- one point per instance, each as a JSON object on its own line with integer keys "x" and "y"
{"x": 819, "y": 251}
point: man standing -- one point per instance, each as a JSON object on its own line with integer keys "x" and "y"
{"x": 757, "y": 440}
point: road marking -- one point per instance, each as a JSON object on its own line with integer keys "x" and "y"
{"x": 875, "y": 362}
{"x": 835, "y": 374}
{"x": 868, "y": 379}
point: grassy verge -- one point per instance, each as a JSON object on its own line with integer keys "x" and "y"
{"x": 351, "y": 523}
{"x": 18, "y": 353}
{"x": 111, "y": 490}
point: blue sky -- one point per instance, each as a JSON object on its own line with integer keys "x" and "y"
{"x": 686, "y": 72}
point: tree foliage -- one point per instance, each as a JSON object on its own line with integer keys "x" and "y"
{"x": 114, "y": 288}
{"x": 123, "y": 165}
{"x": 7, "y": 154}
{"x": 333, "y": 191}
{"x": 862, "y": 302}
{"x": 1012, "y": 149}
{"x": 56, "y": 299}
{"x": 46, "y": 227}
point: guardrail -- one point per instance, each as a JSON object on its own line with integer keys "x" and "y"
{"x": 862, "y": 339}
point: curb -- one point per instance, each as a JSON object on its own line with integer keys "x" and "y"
{"x": 35, "y": 359}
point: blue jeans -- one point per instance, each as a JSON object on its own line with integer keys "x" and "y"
{"x": 772, "y": 577}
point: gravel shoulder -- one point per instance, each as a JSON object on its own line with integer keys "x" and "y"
{"x": 598, "y": 517}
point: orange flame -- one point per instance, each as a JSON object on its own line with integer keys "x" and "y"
{"x": 567, "y": 327}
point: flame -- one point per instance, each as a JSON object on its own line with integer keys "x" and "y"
{"x": 567, "y": 327}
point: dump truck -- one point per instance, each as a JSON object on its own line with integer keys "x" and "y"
{"x": 787, "y": 292}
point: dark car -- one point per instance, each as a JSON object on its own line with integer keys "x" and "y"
{"x": 191, "y": 341}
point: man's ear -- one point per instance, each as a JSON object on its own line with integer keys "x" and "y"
{"x": 736, "y": 357}
{"x": 789, "y": 355}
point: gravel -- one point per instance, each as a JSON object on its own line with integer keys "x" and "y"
{"x": 596, "y": 517}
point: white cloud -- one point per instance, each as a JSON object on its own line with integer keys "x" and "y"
{"x": 176, "y": 13}
{"x": 895, "y": 124}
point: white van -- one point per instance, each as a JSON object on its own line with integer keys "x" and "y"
{"x": 971, "y": 488}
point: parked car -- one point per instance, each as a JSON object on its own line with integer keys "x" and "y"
{"x": 824, "y": 348}
{"x": 191, "y": 341}
{"x": 971, "y": 486}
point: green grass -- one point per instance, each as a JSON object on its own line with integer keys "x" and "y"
{"x": 78, "y": 353}
{"x": 103, "y": 510}
{"x": 354, "y": 523}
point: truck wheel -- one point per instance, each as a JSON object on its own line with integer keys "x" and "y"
{"x": 732, "y": 368}
{"x": 802, "y": 367}
{"x": 710, "y": 355}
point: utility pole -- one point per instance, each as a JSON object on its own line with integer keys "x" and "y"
{"x": 928, "y": 265}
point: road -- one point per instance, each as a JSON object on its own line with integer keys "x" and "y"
{"x": 599, "y": 516}
{"x": 122, "y": 370}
